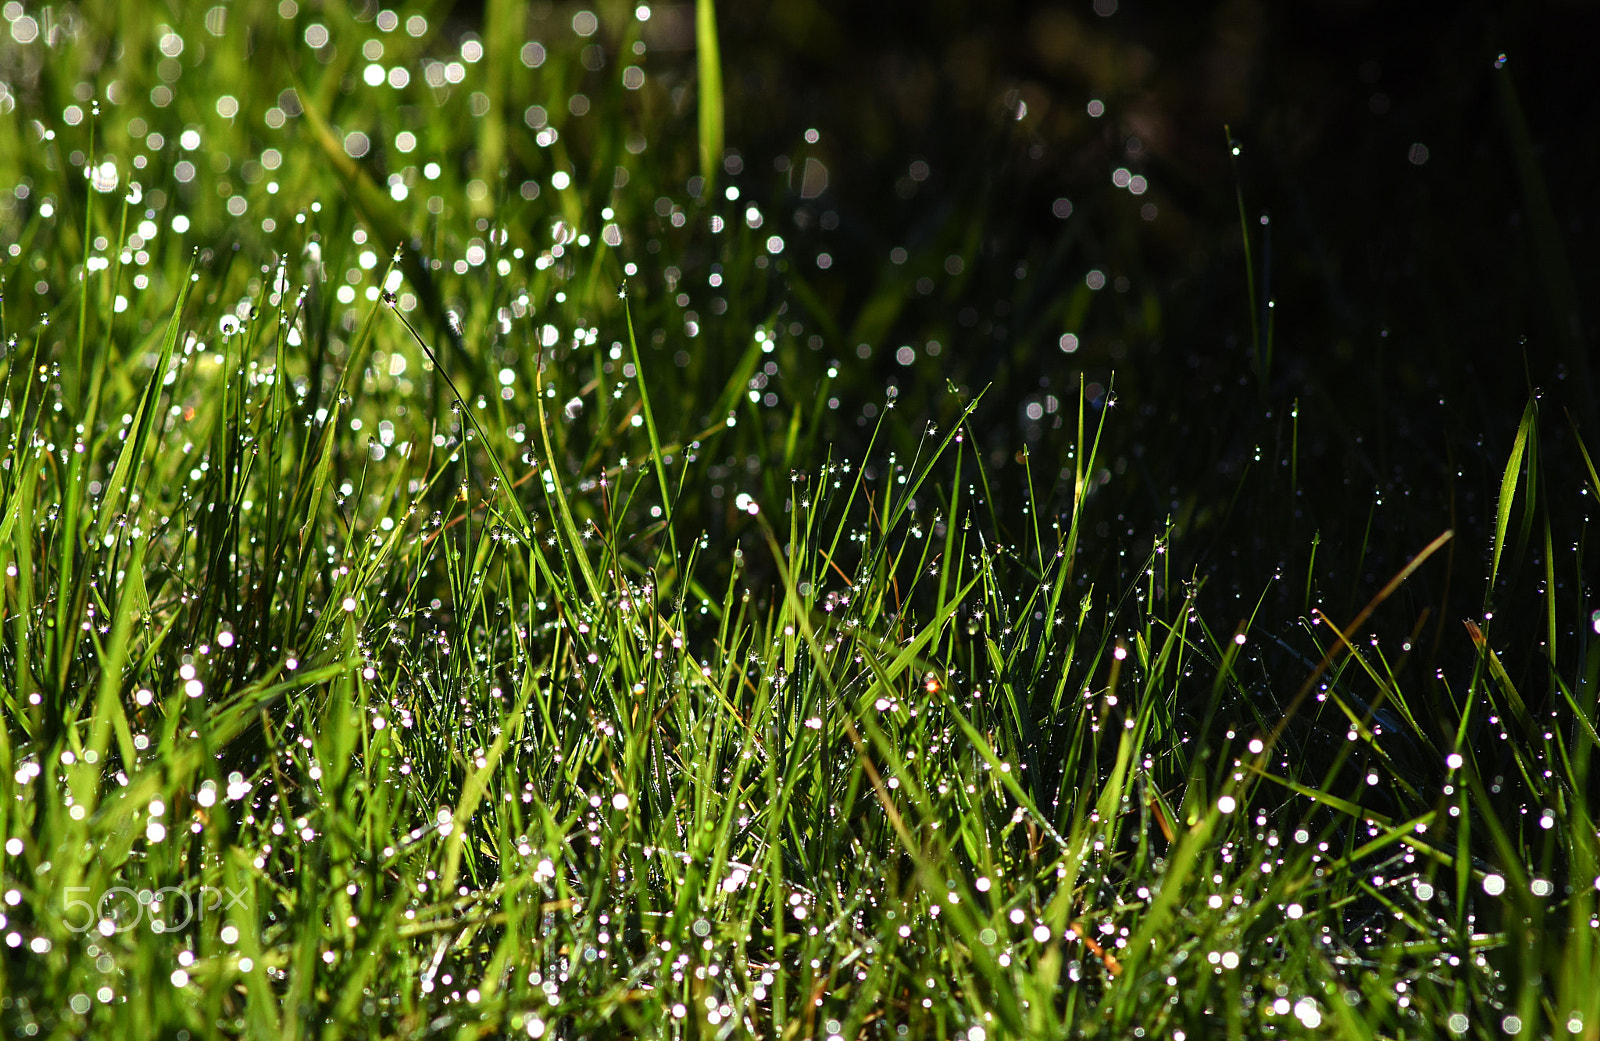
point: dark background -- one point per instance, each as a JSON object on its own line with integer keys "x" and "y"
{"x": 1457, "y": 257}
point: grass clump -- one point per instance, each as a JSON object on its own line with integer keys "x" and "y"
{"x": 407, "y": 631}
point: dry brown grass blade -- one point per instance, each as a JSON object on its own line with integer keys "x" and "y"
{"x": 1343, "y": 644}
{"x": 1106, "y": 957}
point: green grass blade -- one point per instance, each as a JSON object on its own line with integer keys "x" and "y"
{"x": 708, "y": 62}
{"x": 116, "y": 498}
{"x": 1508, "y": 489}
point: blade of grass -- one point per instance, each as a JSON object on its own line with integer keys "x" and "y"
{"x": 116, "y": 499}
{"x": 1508, "y": 489}
{"x": 708, "y": 63}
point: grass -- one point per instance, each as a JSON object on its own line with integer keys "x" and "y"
{"x": 409, "y": 632}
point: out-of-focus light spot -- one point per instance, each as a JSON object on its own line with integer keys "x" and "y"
{"x": 813, "y": 177}
{"x": 103, "y": 178}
